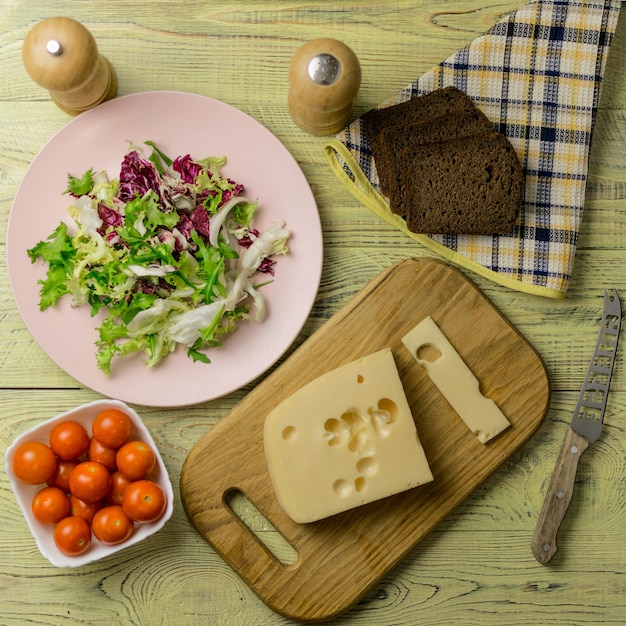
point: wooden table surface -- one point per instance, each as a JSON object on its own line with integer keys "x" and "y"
{"x": 477, "y": 565}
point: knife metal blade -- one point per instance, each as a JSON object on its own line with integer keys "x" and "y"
{"x": 584, "y": 429}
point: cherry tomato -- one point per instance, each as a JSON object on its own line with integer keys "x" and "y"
{"x": 111, "y": 525}
{"x": 102, "y": 454}
{"x": 119, "y": 482}
{"x": 144, "y": 501}
{"x": 34, "y": 463}
{"x": 111, "y": 428}
{"x": 86, "y": 510}
{"x": 90, "y": 481}
{"x": 69, "y": 440}
{"x": 50, "y": 505}
{"x": 72, "y": 535}
{"x": 61, "y": 476}
{"x": 135, "y": 459}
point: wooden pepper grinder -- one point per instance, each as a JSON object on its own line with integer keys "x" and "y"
{"x": 324, "y": 79}
{"x": 61, "y": 55}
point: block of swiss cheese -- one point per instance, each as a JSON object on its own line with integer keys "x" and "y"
{"x": 345, "y": 439}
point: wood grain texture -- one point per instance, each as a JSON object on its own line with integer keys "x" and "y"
{"x": 476, "y": 566}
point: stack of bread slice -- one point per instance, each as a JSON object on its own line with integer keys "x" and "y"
{"x": 444, "y": 167}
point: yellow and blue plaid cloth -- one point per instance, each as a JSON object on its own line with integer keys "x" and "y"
{"x": 537, "y": 76}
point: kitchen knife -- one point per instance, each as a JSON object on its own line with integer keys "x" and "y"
{"x": 584, "y": 429}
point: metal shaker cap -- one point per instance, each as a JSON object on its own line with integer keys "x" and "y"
{"x": 54, "y": 47}
{"x": 324, "y": 69}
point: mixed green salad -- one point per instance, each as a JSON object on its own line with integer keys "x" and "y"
{"x": 167, "y": 251}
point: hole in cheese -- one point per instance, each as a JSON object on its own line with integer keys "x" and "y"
{"x": 360, "y": 443}
{"x": 367, "y": 466}
{"x": 390, "y": 407}
{"x": 342, "y": 488}
{"x": 360, "y": 379}
{"x": 334, "y": 432}
{"x": 353, "y": 421}
{"x": 289, "y": 433}
{"x": 428, "y": 353}
{"x": 384, "y": 416}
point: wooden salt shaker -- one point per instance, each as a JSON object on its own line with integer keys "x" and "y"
{"x": 324, "y": 79}
{"x": 61, "y": 55}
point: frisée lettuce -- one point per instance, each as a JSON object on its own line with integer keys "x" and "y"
{"x": 167, "y": 252}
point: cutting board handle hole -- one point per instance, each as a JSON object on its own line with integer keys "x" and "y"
{"x": 260, "y": 527}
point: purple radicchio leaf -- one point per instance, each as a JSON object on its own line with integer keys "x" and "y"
{"x": 137, "y": 176}
{"x": 186, "y": 168}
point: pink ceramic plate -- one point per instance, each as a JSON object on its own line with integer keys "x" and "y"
{"x": 179, "y": 123}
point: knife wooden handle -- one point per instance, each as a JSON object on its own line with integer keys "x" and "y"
{"x": 558, "y": 497}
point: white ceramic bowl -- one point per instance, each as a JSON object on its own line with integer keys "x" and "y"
{"x": 43, "y": 533}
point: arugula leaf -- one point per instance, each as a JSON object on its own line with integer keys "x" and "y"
{"x": 196, "y": 355}
{"x": 158, "y": 158}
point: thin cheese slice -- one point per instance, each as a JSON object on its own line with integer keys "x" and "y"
{"x": 431, "y": 348}
{"x": 345, "y": 439}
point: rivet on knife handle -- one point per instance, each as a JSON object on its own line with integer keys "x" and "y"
{"x": 584, "y": 429}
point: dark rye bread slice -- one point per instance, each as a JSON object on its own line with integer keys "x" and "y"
{"x": 396, "y": 139}
{"x": 412, "y": 112}
{"x": 470, "y": 186}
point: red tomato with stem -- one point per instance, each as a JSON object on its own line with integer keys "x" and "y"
{"x": 102, "y": 454}
{"x": 72, "y": 536}
{"x": 50, "y": 505}
{"x": 61, "y": 476}
{"x": 34, "y": 463}
{"x": 86, "y": 510}
{"x": 144, "y": 501}
{"x": 135, "y": 459}
{"x": 90, "y": 481}
{"x": 69, "y": 440}
{"x": 111, "y": 428}
{"x": 111, "y": 525}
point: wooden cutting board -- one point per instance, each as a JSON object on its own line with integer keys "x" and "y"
{"x": 341, "y": 558}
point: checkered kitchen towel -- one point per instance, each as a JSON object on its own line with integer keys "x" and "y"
{"x": 537, "y": 76}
